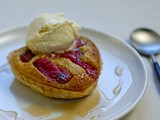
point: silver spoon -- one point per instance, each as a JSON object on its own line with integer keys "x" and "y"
{"x": 147, "y": 42}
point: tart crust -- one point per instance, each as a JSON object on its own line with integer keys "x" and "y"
{"x": 80, "y": 85}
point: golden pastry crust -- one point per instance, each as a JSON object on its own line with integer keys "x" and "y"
{"x": 81, "y": 84}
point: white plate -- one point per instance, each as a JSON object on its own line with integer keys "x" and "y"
{"x": 121, "y": 85}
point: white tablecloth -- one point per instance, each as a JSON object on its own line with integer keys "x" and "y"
{"x": 115, "y": 17}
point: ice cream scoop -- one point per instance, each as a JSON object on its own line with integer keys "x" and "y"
{"x": 51, "y": 33}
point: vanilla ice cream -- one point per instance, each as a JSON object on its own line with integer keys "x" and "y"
{"x": 51, "y": 33}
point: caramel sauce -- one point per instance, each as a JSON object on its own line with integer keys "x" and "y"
{"x": 5, "y": 68}
{"x": 118, "y": 88}
{"x": 118, "y": 71}
{"x": 8, "y": 115}
{"x": 69, "y": 109}
{"x": 90, "y": 107}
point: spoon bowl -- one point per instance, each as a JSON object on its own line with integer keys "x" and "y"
{"x": 147, "y": 42}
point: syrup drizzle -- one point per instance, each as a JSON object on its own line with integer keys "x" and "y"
{"x": 8, "y": 115}
{"x": 118, "y": 70}
{"x": 104, "y": 104}
{"x": 68, "y": 109}
{"x": 118, "y": 88}
{"x": 5, "y": 68}
{"x": 80, "y": 109}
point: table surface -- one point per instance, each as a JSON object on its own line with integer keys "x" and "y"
{"x": 114, "y": 17}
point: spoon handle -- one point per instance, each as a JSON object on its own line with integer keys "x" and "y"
{"x": 157, "y": 68}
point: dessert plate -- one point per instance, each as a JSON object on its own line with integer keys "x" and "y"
{"x": 121, "y": 85}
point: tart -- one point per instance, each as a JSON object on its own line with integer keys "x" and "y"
{"x": 71, "y": 74}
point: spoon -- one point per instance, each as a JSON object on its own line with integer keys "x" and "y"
{"x": 147, "y": 42}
